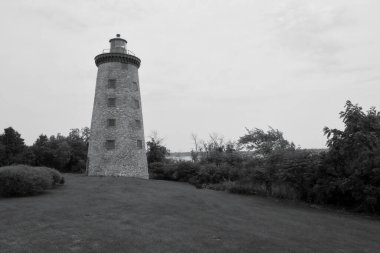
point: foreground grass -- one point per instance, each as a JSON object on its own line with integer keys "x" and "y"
{"x": 107, "y": 214}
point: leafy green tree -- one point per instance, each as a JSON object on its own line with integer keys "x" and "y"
{"x": 3, "y": 155}
{"x": 11, "y": 147}
{"x": 264, "y": 143}
{"x": 352, "y": 164}
{"x": 44, "y": 153}
{"x": 85, "y": 134}
{"x": 156, "y": 151}
{"x": 78, "y": 142}
{"x": 215, "y": 150}
{"x": 66, "y": 154}
{"x": 273, "y": 148}
{"x": 63, "y": 156}
{"x": 25, "y": 157}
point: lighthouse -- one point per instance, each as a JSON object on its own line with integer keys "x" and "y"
{"x": 117, "y": 144}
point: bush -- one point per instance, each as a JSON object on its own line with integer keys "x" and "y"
{"x": 57, "y": 177}
{"x": 240, "y": 187}
{"x": 156, "y": 152}
{"x": 284, "y": 191}
{"x": 177, "y": 171}
{"x": 213, "y": 174}
{"x": 220, "y": 156}
{"x": 184, "y": 171}
{"x": 161, "y": 171}
{"x": 22, "y": 180}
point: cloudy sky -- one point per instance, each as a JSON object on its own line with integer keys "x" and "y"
{"x": 207, "y": 66}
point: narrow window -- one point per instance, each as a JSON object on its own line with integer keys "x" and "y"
{"x": 138, "y": 124}
{"x": 111, "y": 83}
{"x": 136, "y": 103}
{"x": 135, "y": 86}
{"x": 110, "y": 144}
{"x": 111, "y": 102}
{"x": 139, "y": 144}
{"x": 111, "y": 122}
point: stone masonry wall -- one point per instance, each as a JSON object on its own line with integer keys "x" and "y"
{"x": 127, "y": 159}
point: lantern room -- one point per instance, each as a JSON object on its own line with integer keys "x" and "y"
{"x": 118, "y": 45}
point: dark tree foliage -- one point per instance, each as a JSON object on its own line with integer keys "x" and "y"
{"x": 265, "y": 143}
{"x": 156, "y": 151}
{"x": 217, "y": 151}
{"x": 295, "y": 168}
{"x": 12, "y": 147}
{"x": 66, "y": 154}
{"x": 44, "y": 154}
{"x": 346, "y": 175}
{"x": 351, "y": 171}
{"x": 78, "y": 143}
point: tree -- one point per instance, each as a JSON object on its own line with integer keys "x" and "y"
{"x": 44, "y": 154}
{"x": 12, "y": 147}
{"x": 195, "y": 152}
{"x": 66, "y": 154}
{"x": 85, "y": 134}
{"x": 78, "y": 143}
{"x": 216, "y": 150}
{"x": 3, "y": 156}
{"x": 264, "y": 143}
{"x": 352, "y": 163}
{"x": 156, "y": 151}
{"x": 272, "y": 148}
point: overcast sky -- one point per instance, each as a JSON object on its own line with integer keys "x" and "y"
{"x": 207, "y": 66}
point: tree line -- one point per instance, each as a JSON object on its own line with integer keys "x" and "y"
{"x": 346, "y": 174}
{"x": 64, "y": 153}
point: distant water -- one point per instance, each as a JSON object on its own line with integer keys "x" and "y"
{"x": 180, "y": 158}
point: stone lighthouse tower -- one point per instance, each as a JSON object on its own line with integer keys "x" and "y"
{"x": 117, "y": 145}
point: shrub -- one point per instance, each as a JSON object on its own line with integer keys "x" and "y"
{"x": 161, "y": 171}
{"x": 57, "y": 177}
{"x": 22, "y": 180}
{"x": 212, "y": 174}
{"x": 220, "y": 156}
{"x": 156, "y": 170}
{"x": 185, "y": 170}
{"x": 241, "y": 187}
{"x": 156, "y": 152}
{"x": 284, "y": 191}
{"x": 178, "y": 171}
{"x": 207, "y": 173}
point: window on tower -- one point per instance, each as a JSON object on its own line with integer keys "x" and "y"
{"x": 110, "y": 144}
{"x": 135, "y": 86}
{"x": 138, "y": 124}
{"x": 111, "y": 122}
{"x": 111, "y": 84}
{"x": 139, "y": 144}
{"x": 111, "y": 102}
{"x": 136, "y": 103}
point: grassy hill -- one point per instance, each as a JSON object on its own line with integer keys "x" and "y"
{"x": 108, "y": 214}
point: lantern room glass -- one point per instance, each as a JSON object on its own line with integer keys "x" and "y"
{"x": 118, "y": 46}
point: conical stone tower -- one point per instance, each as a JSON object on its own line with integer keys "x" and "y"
{"x": 117, "y": 145}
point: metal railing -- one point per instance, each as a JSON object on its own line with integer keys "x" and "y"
{"x": 121, "y": 51}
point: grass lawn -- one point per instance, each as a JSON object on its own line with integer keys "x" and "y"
{"x": 108, "y": 214}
